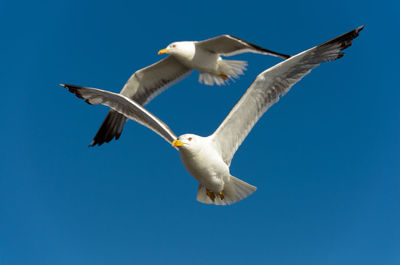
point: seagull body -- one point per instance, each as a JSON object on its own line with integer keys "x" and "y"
{"x": 202, "y": 159}
{"x": 185, "y": 56}
{"x": 208, "y": 159}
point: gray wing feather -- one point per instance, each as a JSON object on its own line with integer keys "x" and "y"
{"x": 125, "y": 106}
{"x": 268, "y": 87}
{"x": 141, "y": 87}
{"x": 229, "y": 45}
{"x": 148, "y": 82}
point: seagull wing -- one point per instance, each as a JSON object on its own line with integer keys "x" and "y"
{"x": 150, "y": 81}
{"x": 142, "y": 87}
{"x": 268, "y": 87}
{"x": 125, "y": 106}
{"x": 229, "y": 45}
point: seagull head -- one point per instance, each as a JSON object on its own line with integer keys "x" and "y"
{"x": 188, "y": 141}
{"x": 182, "y": 48}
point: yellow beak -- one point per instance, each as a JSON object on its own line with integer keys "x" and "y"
{"x": 176, "y": 143}
{"x": 162, "y": 51}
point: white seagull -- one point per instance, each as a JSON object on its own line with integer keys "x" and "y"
{"x": 208, "y": 159}
{"x": 204, "y": 56}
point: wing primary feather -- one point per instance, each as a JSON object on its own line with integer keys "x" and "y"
{"x": 229, "y": 45}
{"x": 261, "y": 49}
{"x": 111, "y": 127}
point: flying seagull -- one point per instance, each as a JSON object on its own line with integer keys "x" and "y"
{"x": 208, "y": 159}
{"x": 204, "y": 56}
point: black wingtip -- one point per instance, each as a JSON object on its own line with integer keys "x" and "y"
{"x": 74, "y": 89}
{"x": 111, "y": 128}
{"x": 261, "y": 49}
{"x": 77, "y": 91}
{"x": 360, "y": 28}
{"x": 69, "y": 86}
{"x": 93, "y": 143}
{"x": 344, "y": 40}
{"x": 112, "y": 125}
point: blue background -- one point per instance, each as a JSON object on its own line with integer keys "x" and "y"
{"x": 325, "y": 159}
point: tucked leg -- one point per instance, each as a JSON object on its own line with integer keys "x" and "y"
{"x": 211, "y": 195}
{"x": 224, "y": 76}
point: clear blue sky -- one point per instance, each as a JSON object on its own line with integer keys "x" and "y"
{"x": 325, "y": 159}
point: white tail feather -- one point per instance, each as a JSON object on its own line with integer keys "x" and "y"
{"x": 210, "y": 79}
{"x": 235, "y": 190}
{"x": 230, "y": 68}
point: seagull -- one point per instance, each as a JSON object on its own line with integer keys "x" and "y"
{"x": 204, "y": 56}
{"x": 208, "y": 159}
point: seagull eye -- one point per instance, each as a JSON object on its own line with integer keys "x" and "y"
{"x": 190, "y": 138}
{"x": 173, "y": 45}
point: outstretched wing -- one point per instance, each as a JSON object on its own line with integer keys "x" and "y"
{"x": 142, "y": 87}
{"x": 125, "y": 106}
{"x": 150, "y": 81}
{"x": 229, "y": 45}
{"x": 268, "y": 87}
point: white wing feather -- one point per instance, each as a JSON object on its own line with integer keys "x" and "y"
{"x": 125, "y": 106}
{"x": 148, "y": 82}
{"x": 268, "y": 87}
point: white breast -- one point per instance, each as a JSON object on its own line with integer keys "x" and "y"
{"x": 206, "y": 166}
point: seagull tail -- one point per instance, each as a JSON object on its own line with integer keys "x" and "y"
{"x": 111, "y": 127}
{"x": 228, "y": 70}
{"x": 234, "y": 191}
{"x": 232, "y": 68}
